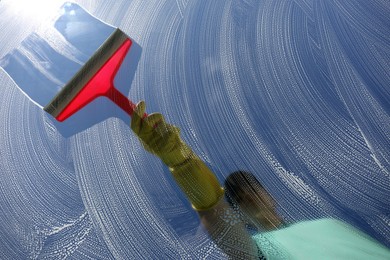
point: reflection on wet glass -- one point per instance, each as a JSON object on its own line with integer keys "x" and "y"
{"x": 39, "y": 66}
{"x": 47, "y": 59}
{"x": 81, "y": 29}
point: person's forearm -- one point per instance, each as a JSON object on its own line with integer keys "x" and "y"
{"x": 199, "y": 184}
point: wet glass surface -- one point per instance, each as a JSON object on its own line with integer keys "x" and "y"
{"x": 295, "y": 92}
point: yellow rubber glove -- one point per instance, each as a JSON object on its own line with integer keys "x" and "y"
{"x": 191, "y": 174}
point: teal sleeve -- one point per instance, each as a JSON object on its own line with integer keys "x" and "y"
{"x": 320, "y": 239}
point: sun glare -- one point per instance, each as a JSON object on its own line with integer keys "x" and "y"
{"x": 34, "y": 11}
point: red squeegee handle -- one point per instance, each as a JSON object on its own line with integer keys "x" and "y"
{"x": 122, "y": 101}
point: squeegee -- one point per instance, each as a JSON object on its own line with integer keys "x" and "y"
{"x": 70, "y": 61}
{"x": 94, "y": 79}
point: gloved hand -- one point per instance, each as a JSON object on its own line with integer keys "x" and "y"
{"x": 192, "y": 175}
{"x": 159, "y": 137}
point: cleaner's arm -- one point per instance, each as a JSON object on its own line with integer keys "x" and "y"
{"x": 196, "y": 180}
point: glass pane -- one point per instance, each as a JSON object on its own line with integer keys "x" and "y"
{"x": 292, "y": 95}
